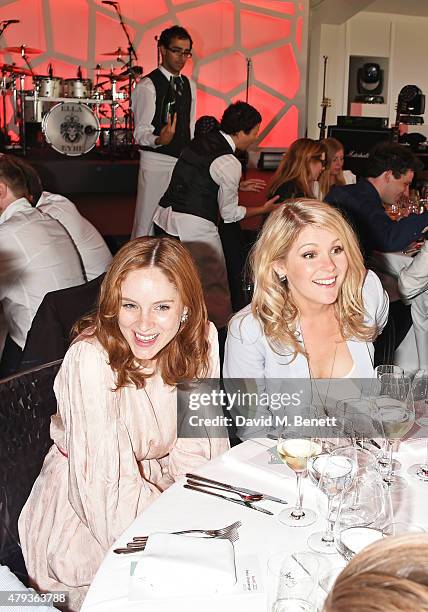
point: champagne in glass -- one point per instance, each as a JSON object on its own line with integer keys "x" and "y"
{"x": 396, "y": 411}
{"x": 296, "y": 452}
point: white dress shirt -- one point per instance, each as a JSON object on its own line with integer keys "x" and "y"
{"x": 94, "y": 252}
{"x": 143, "y": 104}
{"x": 413, "y": 279}
{"x": 225, "y": 171}
{"x": 36, "y": 256}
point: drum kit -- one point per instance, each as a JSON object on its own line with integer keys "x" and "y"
{"x": 68, "y": 113}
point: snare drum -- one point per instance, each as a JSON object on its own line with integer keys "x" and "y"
{"x": 48, "y": 87}
{"x": 77, "y": 88}
{"x": 71, "y": 128}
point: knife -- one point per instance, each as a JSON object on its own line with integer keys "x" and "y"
{"x": 233, "y": 488}
{"x": 235, "y": 501}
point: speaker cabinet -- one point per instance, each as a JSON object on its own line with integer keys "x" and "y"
{"x": 357, "y": 144}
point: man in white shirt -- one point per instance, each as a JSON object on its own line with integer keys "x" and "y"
{"x": 413, "y": 288}
{"x": 93, "y": 251}
{"x": 204, "y": 186}
{"x": 164, "y": 105}
{"x": 37, "y": 255}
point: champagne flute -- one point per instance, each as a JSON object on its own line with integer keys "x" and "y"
{"x": 375, "y": 391}
{"x": 295, "y": 452}
{"x": 420, "y": 397}
{"x": 336, "y": 472}
{"x": 396, "y": 411}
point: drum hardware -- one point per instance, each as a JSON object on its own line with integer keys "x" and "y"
{"x": 132, "y": 56}
{"x": 13, "y": 69}
{"x": 23, "y": 50}
{"x": 119, "y": 52}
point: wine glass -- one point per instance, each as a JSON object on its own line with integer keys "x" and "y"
{"x": 396, "y": 411}
{"x": 292, "y": 582}
{"x": 336, "y": 472}
{"x": 295, "y": 452}
{"x": 363, "y": 514}
{"x": 420, "y": 397}
{"x": 375, "y": 391}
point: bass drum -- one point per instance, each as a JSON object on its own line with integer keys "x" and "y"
{"x": 71, "y": 128}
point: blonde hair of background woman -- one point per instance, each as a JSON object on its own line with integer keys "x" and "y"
{"x": 390, "y": 575}
{"x": 185, "y": 357}
{"x": 272, "y": 302}
{"x": 332, "y": 148}
{"x": 295, "y": 166}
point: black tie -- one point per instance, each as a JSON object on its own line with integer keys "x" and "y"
{"x": 178, "y": 84}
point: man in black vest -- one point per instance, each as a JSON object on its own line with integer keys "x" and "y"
{"x": 163, "y": 104}
{"x": 204, "y": 186}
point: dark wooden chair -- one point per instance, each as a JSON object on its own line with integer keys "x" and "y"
{"x": 27, "y": 402}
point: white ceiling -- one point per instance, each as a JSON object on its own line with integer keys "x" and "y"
{"x": 337, "y": 11}
{"x": 417, "y": 8}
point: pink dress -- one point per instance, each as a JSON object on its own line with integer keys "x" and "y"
{"x": 113, "y": 455}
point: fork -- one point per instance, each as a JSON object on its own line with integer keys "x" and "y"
{"x": 230, "y": 532}
{"x": 223, "y": 532}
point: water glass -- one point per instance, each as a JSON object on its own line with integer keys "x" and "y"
{"x": 292, "y": 582}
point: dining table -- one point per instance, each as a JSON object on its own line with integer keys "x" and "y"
{"x": 248, "y": 464}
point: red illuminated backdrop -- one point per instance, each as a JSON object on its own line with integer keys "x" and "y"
{"x": 272, "y": 34}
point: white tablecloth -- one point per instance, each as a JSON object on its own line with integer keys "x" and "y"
{"x": 260, "y": 535}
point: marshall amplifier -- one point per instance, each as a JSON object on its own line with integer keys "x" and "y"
{"x": 357, "y": 143}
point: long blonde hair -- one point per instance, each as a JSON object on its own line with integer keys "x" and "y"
{"x": 390, "y": 575}
{"x": 186, "y": 355}
{"x": 332, "y": 147}
{"x": 273, "y": 303}
{"x": 295, "y": 166}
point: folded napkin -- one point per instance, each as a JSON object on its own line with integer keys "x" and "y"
{"x": 184, "y": 565}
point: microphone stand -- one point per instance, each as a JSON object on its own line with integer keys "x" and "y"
{"x": 131, "y": 56}
{"x": 244, "y": 158}
{"x": 3, "y": 27}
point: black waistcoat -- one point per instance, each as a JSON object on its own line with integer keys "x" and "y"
{"x": 191, "y": 189}
{"x": 183, "y": 104}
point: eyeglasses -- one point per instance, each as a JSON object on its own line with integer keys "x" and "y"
{"x": 179, "y": 52}
{"x": 320, "y": 159}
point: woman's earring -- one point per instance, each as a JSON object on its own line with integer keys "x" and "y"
{"x": 184, "y": 317}
{"x": 282, "y": 278}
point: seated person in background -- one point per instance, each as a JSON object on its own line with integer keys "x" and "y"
{"x": 50, "y": 332}
{"x": 390, "y": 171}
{"x": 389, "y": 576}
{"x": 334, "y": 174}
{"x": 88, "y": 241}
{"x": 115, "y": 433}
{"x": 204, "y": 185}
{"x": 299, "y": 170}
{"x": 413, "y": 288}
{"x": 37, "y": 255}
{"x": 315, "y": 309}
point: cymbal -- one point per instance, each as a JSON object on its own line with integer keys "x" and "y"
{"x": 14, "y": 69}
{"x": 27, "y": 50}
{"x": 119, "y": 51}
{"x": 114, "y": 77}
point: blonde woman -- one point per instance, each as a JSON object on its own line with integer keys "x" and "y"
{"x": 334, "y": 173}
{"x": 315, "y": 309}
{"x": 299, "y": 170}
{"x": 389, "y": 576}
